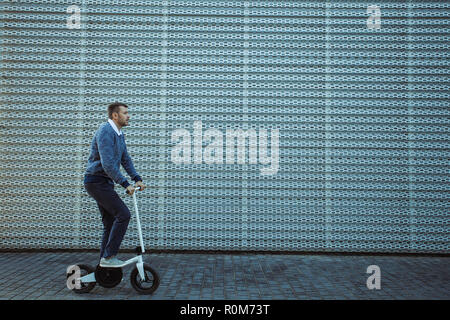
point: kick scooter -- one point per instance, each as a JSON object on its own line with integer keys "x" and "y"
{"x": 143, "y": 278}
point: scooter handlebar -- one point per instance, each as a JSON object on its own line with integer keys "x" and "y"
{"x": 136, "y": 188}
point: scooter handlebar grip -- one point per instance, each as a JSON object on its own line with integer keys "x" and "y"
{"x": 136, "y": 188}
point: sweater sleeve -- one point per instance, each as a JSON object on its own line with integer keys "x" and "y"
{"x": 105, "y": 143}
{"x": 127, "y": 163}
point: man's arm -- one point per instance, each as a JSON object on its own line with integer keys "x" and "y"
{"x": 105, "y": 143}
{"x": 127, "y": 163}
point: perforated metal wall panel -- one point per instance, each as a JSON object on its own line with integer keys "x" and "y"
{"x": 360, "y": 106}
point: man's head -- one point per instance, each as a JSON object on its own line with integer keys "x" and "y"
{"x": 118, "y": 112}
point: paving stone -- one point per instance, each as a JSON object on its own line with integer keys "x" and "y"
{"x": 30, "y": 276}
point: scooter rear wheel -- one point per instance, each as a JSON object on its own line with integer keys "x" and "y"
{"x": 149, "y": 284}
{"x": 108, "y": 277}
{"x": 84, "y": 270}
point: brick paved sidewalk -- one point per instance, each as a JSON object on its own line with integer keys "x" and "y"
{"x": 235, "y": 276}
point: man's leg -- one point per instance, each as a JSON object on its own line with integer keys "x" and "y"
{"x": 108, "y": 220}
{"x": 110, "y": 201}
{"x": 118, "y": 230}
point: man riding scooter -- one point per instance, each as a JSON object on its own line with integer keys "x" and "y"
{"x": 108, "y": 152}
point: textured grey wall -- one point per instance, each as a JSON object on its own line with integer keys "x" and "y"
{"x": 358, "y": 97}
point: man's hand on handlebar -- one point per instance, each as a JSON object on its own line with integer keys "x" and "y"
{"x": 140, "y": 184}
{"x": 130, "y": 189}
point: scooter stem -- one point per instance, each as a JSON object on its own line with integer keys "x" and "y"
{"x": 141, "y": 241}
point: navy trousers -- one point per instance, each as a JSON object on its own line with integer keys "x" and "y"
{"x": 115, "y": 215}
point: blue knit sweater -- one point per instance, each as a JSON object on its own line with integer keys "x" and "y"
{"x": 108, "y": 152}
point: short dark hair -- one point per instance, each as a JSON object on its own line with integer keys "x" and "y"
{"x": 114, "y": 107}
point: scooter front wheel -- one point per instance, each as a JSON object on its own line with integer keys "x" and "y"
{"x": 149, "y": 284}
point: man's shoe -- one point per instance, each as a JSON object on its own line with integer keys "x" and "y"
{"x": 111, "y": 263}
